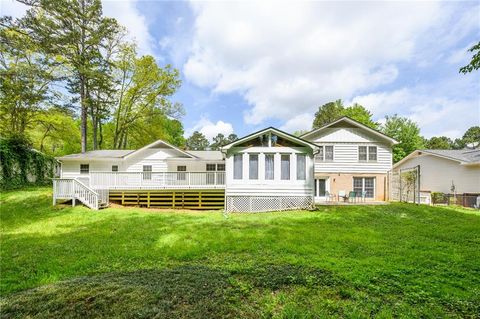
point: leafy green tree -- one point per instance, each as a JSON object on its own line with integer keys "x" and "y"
{"x": 328, "y": 113}
{"x": 474, "y": 62}
{"x": 472, "y": 135}
{"x": 406, "y": 132}
{"x": 197, "y": 142}
{"x": 75, "y": 32}
{"x": 360, "y": 114}
{"x": 144, "y": 89}
{"x": 439, "y": 143}
{"x": 218, "y": 141}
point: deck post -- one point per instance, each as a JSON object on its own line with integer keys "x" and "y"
{"x": 148, "y": 199}
{"x": 123, "y": 198}
{"x": 173, "y": 200}
{"x": 199, "y": 199}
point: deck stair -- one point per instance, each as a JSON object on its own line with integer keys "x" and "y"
{"x": 74, "y": 189}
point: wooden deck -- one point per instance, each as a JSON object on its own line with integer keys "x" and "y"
{"x": 200, "y": 199}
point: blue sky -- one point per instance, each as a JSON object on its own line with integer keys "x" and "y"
{"x": 248, "y": 65}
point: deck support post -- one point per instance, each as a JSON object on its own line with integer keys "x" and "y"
{"x": 173, "y": 200}
{"x": 148, "y": 199}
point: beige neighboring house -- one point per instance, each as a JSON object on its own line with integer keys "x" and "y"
{"x": 440, "y": 169}
{"x": 351, "y": 157}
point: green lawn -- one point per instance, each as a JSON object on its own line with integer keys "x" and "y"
{"x": 387, "y": 261}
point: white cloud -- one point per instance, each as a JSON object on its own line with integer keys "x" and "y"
{"x": 300, "y": 122}
{"x": 12, "y": 8}
{"x": 284, "y": 57}
{"x": 210, "y": 129}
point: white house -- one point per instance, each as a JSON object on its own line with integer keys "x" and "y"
{"x": 440, "y": 169}
{"x": 266, "y": 170}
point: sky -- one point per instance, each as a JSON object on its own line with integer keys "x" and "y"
{"x": 249, "y": 65}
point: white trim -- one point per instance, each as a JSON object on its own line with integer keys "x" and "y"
{"x": 154, "y": 143}
{"x": 417, "y": 152}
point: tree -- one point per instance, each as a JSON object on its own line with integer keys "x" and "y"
{"x": 328, "y": 113}
{"x": 75, "y": 32}
{"x": 332, "y": 111}
{"x": 406, "y": 132}
{"x": 144, "y": 88}
{"x": 218, "y": 142}
{"x": 439, "y": 143}
{"x": 475, "y": 62}
{"x": 472, "y": 136}
{"x": 197, "y": 142}
{"x": 360, "y": 114}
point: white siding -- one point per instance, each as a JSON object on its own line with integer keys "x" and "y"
{"x": 71, "y": 169}
{"x": 275, "y": 187}
{"x": 156, "y": 157}
{"x": 195, "y": 165}
{"x": 437, "y": 174}
{"x": 346, "y": 142}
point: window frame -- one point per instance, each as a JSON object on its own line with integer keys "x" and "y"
{"x": 147, "y": 174}
{"x": 285, "y": 177}
{"x": 221, "y": 169}
{"x": 322, "y": 154}
{"x": 82, "y": 169}
{"x": 272, "y": 176}
{"x": 367, "y": 154}
{"x": 304, "y": 178}
{"x": 363, "y": 188}
{"x": 250, "y": 157}
{"x": 238, "y": 169}
{"x": 114, "y": 168}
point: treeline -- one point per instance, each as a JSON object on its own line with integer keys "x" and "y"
{"x": 404, "y": 130}
{"x": 70, "y": 81}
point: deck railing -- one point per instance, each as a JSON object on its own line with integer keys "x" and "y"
{"x": 70, "y": 188}
{"x": 156, "y": 180}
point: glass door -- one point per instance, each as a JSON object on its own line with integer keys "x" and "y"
{"x": 320, "y": 187}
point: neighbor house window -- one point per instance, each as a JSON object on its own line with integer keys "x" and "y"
{"x": 147, "y": 172}
{"x": 84, "y": 168}
{"x": 253, "y": 166}
{"x": 367, "y": 153}
{"x": 301, "y": 167}
{"x": 238, "y": 166}
{"x": 364, "y": 186}
{"x": 114, "y": 168}
{"x": 285, "y": 166}
{"x": 181, "y": 176}
{"x": 269, "y": 166}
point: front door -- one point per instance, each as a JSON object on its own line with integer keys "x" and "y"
{"x": 320, "y": 188}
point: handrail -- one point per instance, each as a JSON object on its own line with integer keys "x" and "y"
{"x": 75, "y": 189}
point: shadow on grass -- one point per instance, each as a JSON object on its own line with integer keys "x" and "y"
{"x": 182, "y": 292}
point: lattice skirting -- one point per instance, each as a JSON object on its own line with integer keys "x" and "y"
{"x": 255, "y": 204}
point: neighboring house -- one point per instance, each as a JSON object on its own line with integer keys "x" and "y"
{"x": 440, "y": 169}
{"x": 352, "y": 157}
{"x": 266, "y": 170}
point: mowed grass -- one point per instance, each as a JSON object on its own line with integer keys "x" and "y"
{"x": 396, "y": 260}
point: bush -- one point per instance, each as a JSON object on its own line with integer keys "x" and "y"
{"x": 21, "y": 165}
{"x": 438, "y": 197}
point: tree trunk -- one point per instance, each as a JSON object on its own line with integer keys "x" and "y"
{"x": 84, "y": 111}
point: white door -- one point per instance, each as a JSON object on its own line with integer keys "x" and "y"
{"x": 321, "y": 187}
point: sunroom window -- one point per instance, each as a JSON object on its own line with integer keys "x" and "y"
{"x": 238, "y": 166}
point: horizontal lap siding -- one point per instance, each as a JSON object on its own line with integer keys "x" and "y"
{"x": 154, "y": 157}
{"x": 71, "y": 169}
{"x": 346, "y": 160}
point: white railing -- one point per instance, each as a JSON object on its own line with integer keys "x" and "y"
{"x": 70, "y": 188}
{"x": 156, "y": 180}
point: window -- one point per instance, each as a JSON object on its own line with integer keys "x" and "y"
{"x": 285, "y": 166}
{"x": 114, "y": 168}
{"x": 147, "y": 172}
{"x": 329, "y": 153}
{"x": 372, "y": 153}
{"x": 221, "y": 167}
{"x": 84, "y": 168}
{"x": 211, "y": 167}
{"x": 301, "y": 167}
{"x": 320, "y": 154}
{"x": 253, "y": 166}
{"x": 238, "y": 166}
{"x": 182, "y": 176}
{"x": 269, "y": 166}
{"x": 364, "y": 184}
{"x": 367, "y": 153}
{"x": 362, "y": 153}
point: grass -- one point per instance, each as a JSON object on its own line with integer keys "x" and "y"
{"x": 397, "y": 260}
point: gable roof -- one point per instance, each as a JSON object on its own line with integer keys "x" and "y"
{"x": 159, "y": 142}
{"x": 274, "y": 130}
{"x": 354, "y": 123}
{"x": 97, "y": 154}
{"x": 465, "y": 156}
{"x": 208, "y": 155}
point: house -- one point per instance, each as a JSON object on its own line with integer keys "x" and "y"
{"x": 352, "y": 157}
{"x": 266, "y": 170}
{"x": 442, "y": 169}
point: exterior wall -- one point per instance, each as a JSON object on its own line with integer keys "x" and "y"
{"x": 345, "y": 143}
{"x": 275, "y": 187}
{"x": 344, "y": 182}
{"x": 193, "y": 165}
{"x": 156, "y": 157}
{"x": 437, "y": 174}
{"x": 71, "y": 169}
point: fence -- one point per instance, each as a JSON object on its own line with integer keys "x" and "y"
{"x": 404, "y": 185}
{"x": 465, "y": 200}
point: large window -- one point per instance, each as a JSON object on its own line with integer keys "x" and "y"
{"x": 147, "y": 172}
{"x": 367, "y": 153}
{"x": 238, "y": 166}
{"x": 325, "y": 153}
{"x": 84, "y": 168}
{"x": 285, "y": 166}
{"x": 301, "y": 167}
{"x": 364, "y": 186}
{"x": 253, "y": 166}
{"x": 269, "y": 166}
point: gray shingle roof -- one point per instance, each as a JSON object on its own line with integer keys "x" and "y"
{"x": 465, "y": 155}
{"x": 208, "y": 155}
{"x": 97, "y": 154}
